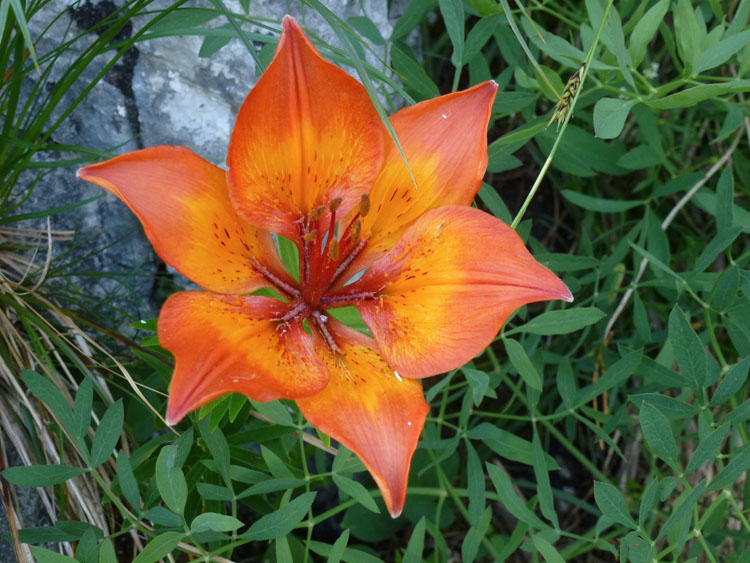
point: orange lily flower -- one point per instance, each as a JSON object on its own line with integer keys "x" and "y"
{"x": 309, "y": 160}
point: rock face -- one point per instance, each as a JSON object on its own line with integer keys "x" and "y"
{"x": 160, "y": 92}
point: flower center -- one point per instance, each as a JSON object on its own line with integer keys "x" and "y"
{"x": 326, "y": 254}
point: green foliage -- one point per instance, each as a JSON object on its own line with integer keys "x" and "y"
{"x": 612, "y": 427}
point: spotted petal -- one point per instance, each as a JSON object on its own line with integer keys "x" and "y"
{"x": 183, "y": 204}
{"x": 224, "y": 344}
{"x": 446, "y": 288}
{"x": 445, "y": 142}
{"x": 306, "y": 134}
{"x": 370, "y": 410}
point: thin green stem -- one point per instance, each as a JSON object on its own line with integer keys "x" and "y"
{"x": 569, "y": 114}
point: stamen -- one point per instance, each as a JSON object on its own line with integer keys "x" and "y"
{"x": 274, "y": 280}
{"x": 347, "y": 298}
{"x": 334, "y": 204}
{"x": 364, "y": 205}
{"x": 320, "y": 323}
{"x": 310, "y": 236}
{"x": 348, "y": 261}
{"x": 293, "y": 313}
{"x": 356, "y": 232}
{"x": 333, "y": 250}
{"x": 316, "y": 213}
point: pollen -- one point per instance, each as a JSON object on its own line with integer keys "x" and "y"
{"x": 364, "y": 205}
{"x": 316, "y": 213}
{"x": 334, "y": 204}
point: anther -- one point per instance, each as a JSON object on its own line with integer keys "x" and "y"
{"x": 333, "y": 250}
{"x": 317, "y": 213}
{"x": 334, "y": 204}
{"x": 364, "y": 205}
{"x": 356, "y": 232}
{"x": 310, "y": 236}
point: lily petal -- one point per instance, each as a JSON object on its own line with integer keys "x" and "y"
{"x": 371, "y": 410}
{"x": 445, "y": 142}
{"x": 224, "y": 344}
{"x": 306, "y": 134}
{"x": 447, "y": 287}
{"x": 183, "y": 204}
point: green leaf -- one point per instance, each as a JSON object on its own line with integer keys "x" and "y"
{"x": 413, "y": 74}
{"x": 506, "y": 444}
{"x": 107, "y": 552}
{"x": 367, "y": 29}
{"x": 648, "y": 501}
{"x": 53, "y": 399}
{"x": 732, "y": 382}
{"x": 645, "y": 29}
{"x": 690, "y": 96}
{"x": 88, "y": 547}
{"x": 610, "y": 115}
{"x": 128, "y": 484}
{"x": 715, "y": 246}
{"x": 688, "y": 349}
{"x": 720, "y": 53}
{"x": 213, "y": 522}
{"x": 543, "y": 486}
{"x": 478, "y": 382}
{"x": 640, "y": 157}
{"x": 414, "y": 549}
{"x": 478, "y": 36}
{"x": 683, "y": 509}
{"x": 289, "y": 255}
{"x": 658, "y": 435}
{"x": 548, "y": 551}
{"x": 82, "y": 408}
{"x": 46, "y": 556}
{"x": 725, "y": 200}
{"x": 672, "y": 408}
{"x": 612, "y": 504}
{"x": 453, "y": 16}
{"x": 415, "y": 12}
{"x": 282, "y": 521}
{"x": 494, "y": 203}
{"x": 170, "y": 480}
{"x": 511, "y": 500}
{"x": 212, "y": 43}
{"x": 107, "y": 434}
{"x": 732, "y": 471}
{"x": 159, "y": 547}
{"x": 219, "y": 447}
{"x": 274, "y": 463}
{"x": 475, "y": 485}
{"x": 688, "y": 34}
{"x": 522, "y": 363}
{"x": 566, "y": 383}
{"x": 337, "y": 549}
{"x": 357, "y": 491}
{"x": 41, "y": 475}
{"x": 707, "y": 448}
{"x": 274, "y": 411}
{"x": 473, "y": 538}
{"x": 214, "y": 492}
{"x": 271, "y": 486}
{"x": 561, "y": 321}
{"x": 599, "y": 204}
{"x": 163, "y": 517}
{"x": 615, "y": 374}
